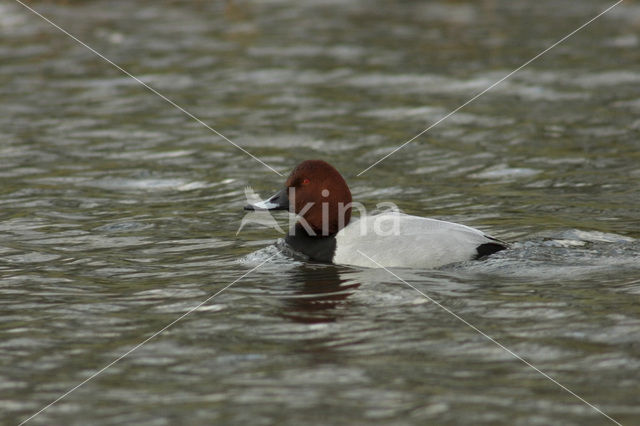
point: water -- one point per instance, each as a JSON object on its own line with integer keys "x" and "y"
{"x": 118, "y": 213}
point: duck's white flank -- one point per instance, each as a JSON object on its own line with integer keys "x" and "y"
{"x": 399, "y": 240}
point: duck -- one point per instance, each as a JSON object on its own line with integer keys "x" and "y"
{"x": 324, "y": 232}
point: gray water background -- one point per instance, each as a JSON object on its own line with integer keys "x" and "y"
{"x": 118, "y": 213}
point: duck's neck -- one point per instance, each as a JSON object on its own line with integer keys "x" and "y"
{"x": 317, "y": 248}
{"x": 324, "y": 220}
{"x": 314, "y": 229}
{"x": 307, "y": 230}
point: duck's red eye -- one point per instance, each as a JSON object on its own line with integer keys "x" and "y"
{"x": 306, "y": 181}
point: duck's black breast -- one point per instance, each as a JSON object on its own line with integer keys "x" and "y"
{"x": 320, "y": 249}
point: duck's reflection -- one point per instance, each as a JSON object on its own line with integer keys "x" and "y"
{"x": 318, "y": 292}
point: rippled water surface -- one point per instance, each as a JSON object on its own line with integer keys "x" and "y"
{"x": 118, "y": 212}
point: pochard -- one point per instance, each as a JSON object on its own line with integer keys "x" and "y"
{"x": 324, "y": 232}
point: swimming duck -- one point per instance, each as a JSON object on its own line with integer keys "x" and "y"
{"x": 319, "y": 195}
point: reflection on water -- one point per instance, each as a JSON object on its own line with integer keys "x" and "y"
{"x": 319, "y": 294}
{"x": 308, "y": 294}
{"x": 118, "y": 213}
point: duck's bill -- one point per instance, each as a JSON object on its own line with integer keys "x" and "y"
{"x": 280, "y": 201}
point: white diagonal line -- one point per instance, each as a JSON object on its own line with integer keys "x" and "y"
{"x": 97, "y": 373}
{"x": 492, "y": 86}
{"x": 515, "y": 355}
{"x": 151, "y": 89}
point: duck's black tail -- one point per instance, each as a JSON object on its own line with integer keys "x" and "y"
{"x": 487, "y": 249}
